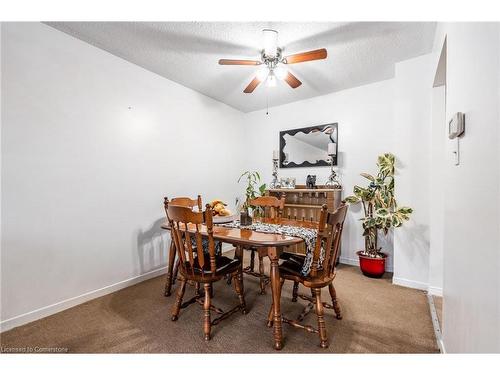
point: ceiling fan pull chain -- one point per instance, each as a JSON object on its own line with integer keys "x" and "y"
{"x": 267, "y": 101}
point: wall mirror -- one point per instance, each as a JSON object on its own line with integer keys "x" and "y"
{"x": 308, "y": 147}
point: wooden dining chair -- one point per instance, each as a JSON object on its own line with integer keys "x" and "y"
{"x": 188, "y": 202}
{"x": 321, "y": 275}
{"x": 199, "y": 266}
{"x": 272, "y": 207}
{"x": 173, "y": 266}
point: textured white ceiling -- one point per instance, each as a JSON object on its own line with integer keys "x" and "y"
{"x": 188, "y": 52}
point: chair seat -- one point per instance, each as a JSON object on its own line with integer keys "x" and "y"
{"x": 224, "y": 264}
{"x": 292, "y": 264}
{"x": 291, "y": 269}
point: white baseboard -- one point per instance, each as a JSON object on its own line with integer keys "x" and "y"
{"x": 355, "y": 262}
{"x": 435, "y": 291}
{"x": 42, "y": 312}
{"x": 349, "y": 261}
{"x": 409, "y": 283}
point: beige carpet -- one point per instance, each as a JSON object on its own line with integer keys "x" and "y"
{"x": 378, "y": 318}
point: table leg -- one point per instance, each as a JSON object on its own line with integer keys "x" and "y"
{"x": 273, "y": 254}
{"x": 238, "y": 252}
{"x": 171, "y": 261}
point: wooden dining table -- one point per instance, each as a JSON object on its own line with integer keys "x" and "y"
{"x": 246, "y": 238}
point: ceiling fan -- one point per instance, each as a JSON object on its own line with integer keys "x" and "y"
{"x": 274, "y": 63}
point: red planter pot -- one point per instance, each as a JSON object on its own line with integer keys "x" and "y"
{"x": 372, "y": 267}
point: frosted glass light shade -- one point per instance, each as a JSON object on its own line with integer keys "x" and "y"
{"x": 281, "y": 72}
{"x": 262, "y": 73}
{"x": 271, "y": 80}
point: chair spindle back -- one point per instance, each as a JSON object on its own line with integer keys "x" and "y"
{"x": 185, "y": 226}
{"x": 273, "y": 207}
{"x": 184, "y": 201}
{"x": 329, "y": 236}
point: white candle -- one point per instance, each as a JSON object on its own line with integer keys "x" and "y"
{"x": 332, "y": 149}
{"x": 276, "y": 155}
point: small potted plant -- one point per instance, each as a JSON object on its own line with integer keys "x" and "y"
{"x": 251, "y": 192}
{"x": 381, "y": 213}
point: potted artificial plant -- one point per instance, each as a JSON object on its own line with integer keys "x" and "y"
{"x": 381, "y": 213}
{"x": 251, "y": 192}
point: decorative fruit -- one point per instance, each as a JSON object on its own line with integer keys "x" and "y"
{"x": 216, "y": 202}
{"x": 219, "y": 208}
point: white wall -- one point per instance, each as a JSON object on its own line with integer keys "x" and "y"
{"x": 412, "y": 135}
{"x": 83, "y": 176}
{"x": 471, "y": 285}
{"x": 439, "y": 133}
{"x": 365, "y": 118}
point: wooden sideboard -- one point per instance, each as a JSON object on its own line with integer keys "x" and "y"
{"x": 305, "y": 204}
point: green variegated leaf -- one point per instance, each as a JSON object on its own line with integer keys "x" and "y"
{"x": 382, "y": 212}
{"x": 390, "y": 157}
{"x": 405, "y": 210}
{"x": 404, "y": 213}
{"x": 352, "y": 199}
{"x": 386, "y": 164}
{"x": 390, "y": 184}
{"x": 378, "y": 200}
{"x": 368, "y": 176}
{"x": 396, "y": 221}
{"x": 358, "y": 191}
{"x": 369, "y": 223}
{"x": 380, "y": 160}
{"x": 362, "y": 193}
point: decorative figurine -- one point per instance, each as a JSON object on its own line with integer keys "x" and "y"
{"x": 332, "y": 180}
{"x": 275, "y": 184}
{"x": 311, "y": 181}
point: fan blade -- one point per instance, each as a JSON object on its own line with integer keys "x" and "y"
{"x": 238, "y": 62}
{"x": 292, "y": 81}
{"x": 252, "y": 85}
{"x": 317, "y": 54}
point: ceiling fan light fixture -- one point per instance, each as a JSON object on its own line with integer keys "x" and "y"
{"x": 271, "y": 80}
{"x": 270, "y": 42}
{"x": 273, "y": 65}
{"x": 281, "y": 72}
{"x": 262, "y": 73}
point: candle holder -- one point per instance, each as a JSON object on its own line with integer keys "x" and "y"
{"x": 332, "y": 180}
{"x": 275, "y": 184}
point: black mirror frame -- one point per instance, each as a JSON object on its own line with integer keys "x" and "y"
{"x": 306, "y": 130}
